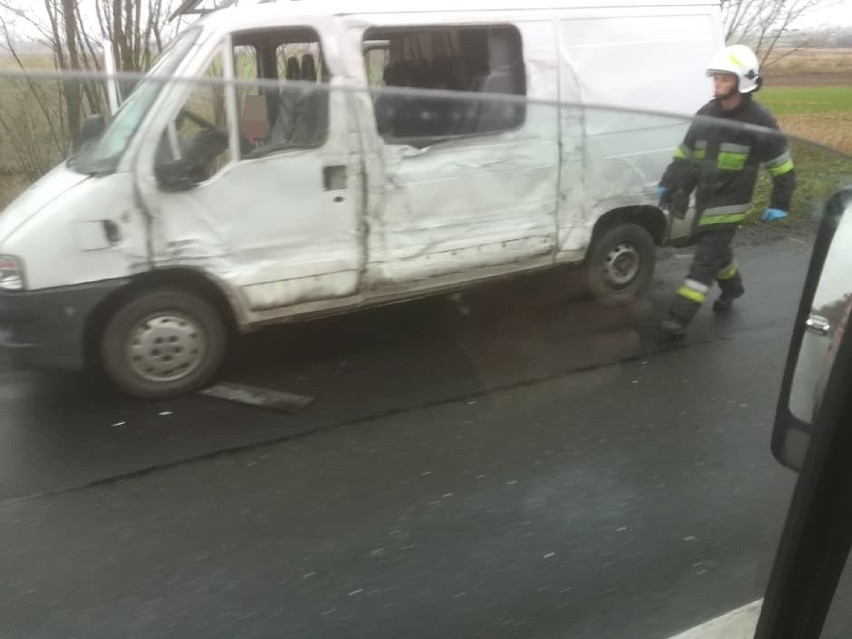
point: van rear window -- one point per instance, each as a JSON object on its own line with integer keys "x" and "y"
{"x": 467, "y": 59}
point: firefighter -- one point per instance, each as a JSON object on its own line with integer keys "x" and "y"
{"x": 719, "y": 159}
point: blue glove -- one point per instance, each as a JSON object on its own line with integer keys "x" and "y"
{"x": 661, "y": 191}
{"x": 772, "y": 215}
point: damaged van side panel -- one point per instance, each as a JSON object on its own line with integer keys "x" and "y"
{"x": 419, "y": 211}
{"x": 623, "y": 155}
{"x": 260, "y": 227}
{"x": 280, "y": 230}
{"x": 455, "y": 204}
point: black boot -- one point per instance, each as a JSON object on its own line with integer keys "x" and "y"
{"x": 725, "y": 302}
{"x": 673, "y": 328}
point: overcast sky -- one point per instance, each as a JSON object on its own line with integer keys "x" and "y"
{"x": 832, "y": 14}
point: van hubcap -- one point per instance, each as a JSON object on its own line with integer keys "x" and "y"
{"x": 622, "y": 264}
{"x": 166, "y": 347}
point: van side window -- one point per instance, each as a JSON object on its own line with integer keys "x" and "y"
{"x": 301, "y": 117}
{"x": 469, "y": 59}
{"x": 288, "y": 108}
{"x": 282, "y": 103}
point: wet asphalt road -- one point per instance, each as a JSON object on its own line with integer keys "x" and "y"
{"x": 519, "y": 463}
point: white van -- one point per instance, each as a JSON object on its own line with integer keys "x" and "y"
{"x": 206, "y": 208}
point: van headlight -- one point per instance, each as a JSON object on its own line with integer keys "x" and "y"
{"x": 11, "y": 273}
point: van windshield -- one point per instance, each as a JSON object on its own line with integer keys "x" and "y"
{"x": 102, "y": 156}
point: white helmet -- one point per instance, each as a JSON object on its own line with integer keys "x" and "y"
{"x": 740, "y": 61}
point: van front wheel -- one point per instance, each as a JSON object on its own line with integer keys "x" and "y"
{"x": 163, "y": 343}
{"x": 621, "y": 264}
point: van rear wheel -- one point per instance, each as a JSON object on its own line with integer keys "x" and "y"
{"x": 163, "y": 343}
{"x": 621, "y": 264}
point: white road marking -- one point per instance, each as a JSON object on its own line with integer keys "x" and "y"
{"x": 736, "y": 624}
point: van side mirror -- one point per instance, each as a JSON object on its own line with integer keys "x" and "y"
{"x": 821, "y": 321}
{"x": 93, "y": 127}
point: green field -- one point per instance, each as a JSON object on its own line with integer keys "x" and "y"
{"x": 806, "y": 100}
{"x": 819, "y": 114}
{"x": 819, "y": 173}
{"x": 809, "y": 115}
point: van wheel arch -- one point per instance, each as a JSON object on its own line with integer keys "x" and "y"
{"x": 651, "y": 218}
{"x": 186, "y": 279}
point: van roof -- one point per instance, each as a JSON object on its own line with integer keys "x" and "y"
{"x": 326, "y": 8}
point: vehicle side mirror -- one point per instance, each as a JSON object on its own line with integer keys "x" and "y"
{"x": 821, "y": 321}
{"x": 93, "y": 128}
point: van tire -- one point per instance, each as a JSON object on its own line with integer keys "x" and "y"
{"x": 163, "y": 343}
{"x": 621, "y": 264}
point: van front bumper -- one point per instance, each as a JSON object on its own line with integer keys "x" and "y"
{"x": 46, "y": 328}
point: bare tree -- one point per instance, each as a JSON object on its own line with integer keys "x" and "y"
{"x": 137, "y": 30}
{"x": 53, "y": 117}
{"x": 765, "y": 25}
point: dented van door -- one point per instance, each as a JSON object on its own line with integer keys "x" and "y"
{"x": 273, "y": 209}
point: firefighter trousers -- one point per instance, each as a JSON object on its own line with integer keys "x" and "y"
{"x": 713, "y": 262}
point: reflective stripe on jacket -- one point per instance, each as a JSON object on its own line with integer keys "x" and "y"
{"x": 720, "y": 158}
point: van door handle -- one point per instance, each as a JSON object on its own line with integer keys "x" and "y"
{"x": 334, "y": 177}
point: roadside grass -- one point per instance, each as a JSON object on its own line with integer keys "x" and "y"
{"x": 810, "y": 116}
{"x": 820, "y": 114}
{"x": 33, "y": 131}
{"x": 819, "y": 173}
{"x": 805, "y": 100}
{"x": 831, "y": 129}
{"x": 30, "y": 61}
{"x": 11, "y": 186}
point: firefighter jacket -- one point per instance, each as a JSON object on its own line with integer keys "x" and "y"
{"x": 720, "y": 158}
